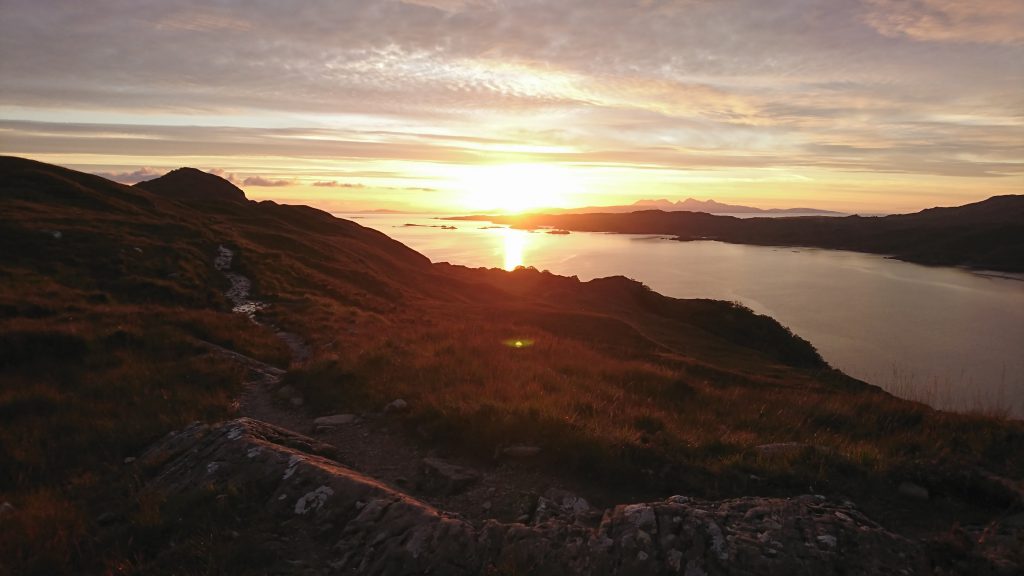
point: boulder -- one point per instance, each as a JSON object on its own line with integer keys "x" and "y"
{"x": 563, "y": 506}
{"x": 340, "y": 521}
{"x": 286, "y": 392}
{"x": 440, "y": 477}
{"x": 6, "y": 509}
{"x": 914, "y": 491}
{"x": 396, "y": 406}
{"x": 520, "y": 451}
{"x": 335, "y": 420}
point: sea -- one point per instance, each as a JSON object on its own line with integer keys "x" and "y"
{"x": 949, "y": 337}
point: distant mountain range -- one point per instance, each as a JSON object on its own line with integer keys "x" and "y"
{"x": 690, "y": 205}
{"x": 986, "y": 235}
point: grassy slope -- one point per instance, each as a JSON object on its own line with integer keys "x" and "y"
{"x": 99, "y": 356}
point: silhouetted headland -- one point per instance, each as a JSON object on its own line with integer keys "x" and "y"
{"x": 986, "y": 235}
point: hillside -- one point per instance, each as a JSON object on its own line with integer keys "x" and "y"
{"x": 985, "y": 235}
{"x": 115, "y": 330}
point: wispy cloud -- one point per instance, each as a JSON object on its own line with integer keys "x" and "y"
{"x": 225, "y": 175}
{"x": 336, "y": 184}
{"x": 320, "y": 92}
{"x": 992, "y": 21}
{"x": 132, "y": 177}
{"x": 266, "y": 182}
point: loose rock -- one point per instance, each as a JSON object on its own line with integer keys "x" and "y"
{"x": 911, "y": 490}
{"x": 285, "y": 392}
{"x": 396, "y": 406}
{"x": 440, "y": 477}
{"x": 520, "y": 451}
{"x": 563, "y": 505}
{"x": 335, "y": 420}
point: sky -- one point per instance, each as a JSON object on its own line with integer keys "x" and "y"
{"x": 463, "y": 105}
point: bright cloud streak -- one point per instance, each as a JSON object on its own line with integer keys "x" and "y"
{"x": 870, "y": 105}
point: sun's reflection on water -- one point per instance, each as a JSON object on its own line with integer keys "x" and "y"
{"x": 515, "y": 242}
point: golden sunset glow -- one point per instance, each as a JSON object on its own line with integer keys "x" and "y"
{"x": 454, "y": 106}
{"x": 517, "y": 187}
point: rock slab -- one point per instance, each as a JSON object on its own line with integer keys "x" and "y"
{"x": 351, "y": 524}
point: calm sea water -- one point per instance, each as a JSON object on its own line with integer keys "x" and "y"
{"x": 946, "y": 336}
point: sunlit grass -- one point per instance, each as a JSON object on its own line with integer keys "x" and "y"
{"x": 100, "y": 356}
{"x": 618, "y": 411}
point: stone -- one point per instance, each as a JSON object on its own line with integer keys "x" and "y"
{"x": 314, "y": 500}
{"x": 375, "y": 529}
{"x": 396, "y": 406}
{"x": 520, "y": 451}
{"x": 440, "y": 477}
{"x": 107, "y": 518}
{"x": 827, "y": 540}
{"x": 129, "y": 460}
{"x": 335, "y": 420}
{"x": 286, "y": 392}
{"x": 6, "y": 509}
{"x": 914, "y": 491}
{"x": 564, "y": 505}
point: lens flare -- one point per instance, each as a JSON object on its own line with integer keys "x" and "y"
{"x": 518, "y": 343}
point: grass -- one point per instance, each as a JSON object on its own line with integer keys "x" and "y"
{"x": 80, "y": 394}
{"x": 99, "y": 356}
{"x": 619, "y": 412}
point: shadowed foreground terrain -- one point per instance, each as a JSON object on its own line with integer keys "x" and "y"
{"x": 987, "y": 235}
{"x": 115, "y": 331}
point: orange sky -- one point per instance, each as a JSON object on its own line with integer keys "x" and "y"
{"x": 466, "y": 105}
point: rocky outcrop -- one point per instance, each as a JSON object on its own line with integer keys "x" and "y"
{"x": 353, "y": 524}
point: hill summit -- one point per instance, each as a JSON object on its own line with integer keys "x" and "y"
{"x": 192, "y": 184}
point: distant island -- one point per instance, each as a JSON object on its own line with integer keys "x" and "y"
{"x": 986, "y": 235}
{"x": 692, "y": 205}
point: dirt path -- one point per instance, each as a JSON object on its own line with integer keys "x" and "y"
{"x": 374, "y": 443}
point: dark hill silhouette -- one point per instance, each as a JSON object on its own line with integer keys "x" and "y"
{"x": 984, "y": 235}
{"x": 192, "y": 184}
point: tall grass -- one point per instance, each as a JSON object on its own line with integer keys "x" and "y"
{"x": 959, "y": 394}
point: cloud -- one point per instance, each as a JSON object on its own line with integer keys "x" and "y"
{"x": 991, "y": 21}
{"x": 446, "y": 5}
{"x": 225, "y": 175}
{"x": 203, "y": 20}
{"x": 260, "y": 181}
{"x": 133, "y": 177}
{"x": 375, "y": 91}
{"x": 803, "y": 134}
{"x": 336, "y": 184}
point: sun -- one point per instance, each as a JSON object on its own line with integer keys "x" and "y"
{"x": 517, "y": 187}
